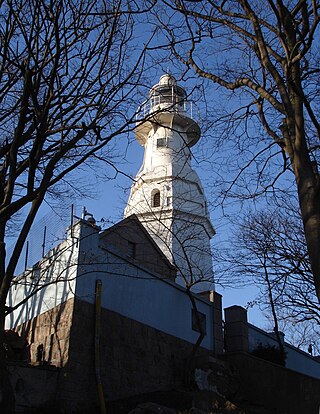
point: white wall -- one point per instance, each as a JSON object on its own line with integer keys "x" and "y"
{"x": 128, "y": 289}
{"x": 168, "y": 170}
{"x": 47, "y": 285}
{"x": 137, "y": 294}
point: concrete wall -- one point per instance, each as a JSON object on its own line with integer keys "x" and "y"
{"x": 240, "y": 336}
{"x": 296, "y": 360}
{"x": 48, "y": 284}
{"x": 272, "y": 388}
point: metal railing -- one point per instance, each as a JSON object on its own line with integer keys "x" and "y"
{"x": 167, "y": 103}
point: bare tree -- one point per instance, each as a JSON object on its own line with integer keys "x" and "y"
{"x": 65, "y": 86}
{"x": 270, "y": 252}
{"x": 266, "y": 55}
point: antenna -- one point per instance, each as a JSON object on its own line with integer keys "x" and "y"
{"x": 44, "y": 240}
{"x": 26, "y": 258}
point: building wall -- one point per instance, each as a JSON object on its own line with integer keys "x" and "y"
{"x": 137, "y": 294}
{"x": 296, "y": 359}
{"x": 48, "y": 284}
{"x": 181, "y": 224}
{"x": 145, "y": 251}
{"x": 128, "y": 289}
{"x": 33, "y": 386}
{"x": 146, "y": 324}
{"x": 137, "y": 359}
{"x": 48, "y": 335}
{"x": 185, "y": 240}
{"x": 134, "y": 358}
{"x": 240, "y": 336}
{"x": 271, "y": 388}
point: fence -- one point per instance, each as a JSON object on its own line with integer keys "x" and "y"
{"x": 43, "y": 236}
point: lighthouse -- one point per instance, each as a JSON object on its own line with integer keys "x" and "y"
{"x": 167, "y": 195}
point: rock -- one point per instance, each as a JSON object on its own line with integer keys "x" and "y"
{"x": 152, "y": 408}
{"x": 211, "y": 402}
{"x": 214, "y": 375}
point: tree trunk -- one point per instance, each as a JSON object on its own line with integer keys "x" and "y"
{"x": 6, "y": 391}
{"x": 6, "y": 276}
{"x": 307, "y": 179}
{"x": 196, "y": 346}
{"x": 310, "y": 211}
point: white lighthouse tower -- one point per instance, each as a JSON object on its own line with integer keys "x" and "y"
{"x": 167, "y": 195}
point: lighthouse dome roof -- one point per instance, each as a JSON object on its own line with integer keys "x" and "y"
{"x": 167, "y": 79}
{"x": 167, "y": 86}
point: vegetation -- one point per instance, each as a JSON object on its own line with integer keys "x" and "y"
{"x": 270, "y": 353}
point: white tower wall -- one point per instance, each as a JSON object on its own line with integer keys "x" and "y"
{"x": 178, "y": 220}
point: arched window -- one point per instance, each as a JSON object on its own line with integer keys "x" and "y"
{"x": 156, "y": 199}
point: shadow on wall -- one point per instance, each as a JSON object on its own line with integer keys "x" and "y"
{"x": 47, "y": 336}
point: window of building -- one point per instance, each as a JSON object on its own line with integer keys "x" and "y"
{"x": 203, "y": 322}
{"x": 131, "y": 249}
{"x": 156, "y": 199}
{"x": 161, "y": 142}
{"x": 35, "y": 272}
{"x": 169, "y": 201}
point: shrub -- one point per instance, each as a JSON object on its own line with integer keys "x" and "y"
{"x": 270, "y": 353}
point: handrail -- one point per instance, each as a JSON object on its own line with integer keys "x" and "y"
{"x": 166, "y": 103}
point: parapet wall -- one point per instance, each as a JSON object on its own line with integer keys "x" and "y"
{"x": 272, "y": 388}
{"x": 241, "y": 336}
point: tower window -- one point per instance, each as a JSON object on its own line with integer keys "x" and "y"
{"x": 156, "y": 199}
{"x": 161, "y": 142}
{"x": 195, "y": 322}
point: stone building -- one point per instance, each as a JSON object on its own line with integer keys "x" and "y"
{"x": 105, "y": 309}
